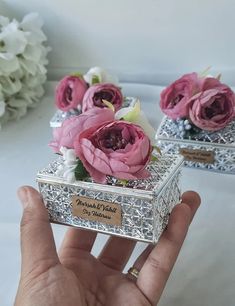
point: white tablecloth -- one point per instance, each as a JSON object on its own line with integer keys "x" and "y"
{"x": 204, "y": 274}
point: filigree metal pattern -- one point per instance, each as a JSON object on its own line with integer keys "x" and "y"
{"x": 168, "y": 129}
{"x": 222, "y": 143}
{"x": 145, "y": 211}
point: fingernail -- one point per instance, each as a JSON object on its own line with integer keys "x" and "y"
{"x": 23, "y": 196}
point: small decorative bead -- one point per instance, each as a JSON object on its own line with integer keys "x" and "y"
{"x": 188, "y": 127}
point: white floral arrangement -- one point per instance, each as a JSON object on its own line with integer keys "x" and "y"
{"x": 23, "y": 60}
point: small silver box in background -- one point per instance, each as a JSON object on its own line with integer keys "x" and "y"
{"x": 213, "y": 151}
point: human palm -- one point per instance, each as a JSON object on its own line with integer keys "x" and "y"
{"x": 76, "y": 278}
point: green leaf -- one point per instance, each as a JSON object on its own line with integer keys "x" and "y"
{"x": 218, "y": 77}
{"x": 108, "y": 104}
{"x": 123, "y": 182}
{"x": 133, "y": 115}
{"x": 205, "y": 72}
{"x": 95, "y": 79}
{"x": 77, "y": 74}
{"x": 157, "y": 149}
{"x": 154, "y": 158}
{"x": 80, "y": 171}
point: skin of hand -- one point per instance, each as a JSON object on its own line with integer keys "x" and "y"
{"x": 74, "y": 277}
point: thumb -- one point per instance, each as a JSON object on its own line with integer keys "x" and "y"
{"x": 38, "y": 249}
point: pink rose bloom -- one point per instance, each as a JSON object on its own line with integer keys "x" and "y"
{"x": 174, "y": 99}
{"x": 214, "y": 107}
{"x": 70, "y": 92}
{"x": 64, "y": 136}
{"x": 98, "y": 92}
{"x": 117, "y": 148}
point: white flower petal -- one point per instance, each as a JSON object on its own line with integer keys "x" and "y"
{"x": 32, "y": 53}
{"x": 31, "y": 21}
{"x": 63, "y": 150}
{"x": 67, "y": 168}
{"x": 1, "y": 93}
{"x": 2, "y": 108}
{"x": 4, "y": 21}
{"x": 12, "y": 112}
{"x": 29, "y": 66}
{"x": 10, "y": 85}
{"x": 123, "y": 112}
{"x": 17, "y": 103}
{"x": 14, "y": 40}
{"x": 70, "y": 177}
{"x": 103, "y": 75}
{"x": 19, "y": 74}
{"x": 42, "y": 69}
{"x": 70, "y": 155}
{"x": 35, "y": 37}
{"x": 146, "y": 126}
{"x": 8, "y": 63}
{"x": 4, "y": 118}
{"x": 34, "y": 82}
{"x": 32, "y": 24}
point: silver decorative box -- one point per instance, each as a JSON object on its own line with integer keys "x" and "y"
{"x": 213, "y": 151}
{"x": 59, "y": 116}
{"x": 137, "y": 210}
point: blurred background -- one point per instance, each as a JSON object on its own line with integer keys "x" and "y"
{"x": 147, "y": 44}
{"x": 149, "y": 41}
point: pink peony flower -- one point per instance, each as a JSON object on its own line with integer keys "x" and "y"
{"x": 98, "y": 92}
{"x": 214, "y": 107}
{"x": 73, "y": 126}
{"x": 117, "y": 148}
{"x": 70, "y": 92}
{"x": 175, "y": 98}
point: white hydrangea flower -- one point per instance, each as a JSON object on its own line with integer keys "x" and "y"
{"x": 2, "y": 107}
{"x": 32, "y": 24}
{"x": 12, "y": 39}
{"x": 29, "y": 66}
{"x": 1, "y": 93}
{"x": 32, "y": 53}
{"x": 102, "y": 75}
{"x": 133, "y": 113}
{"x": 17, "y": 107}
{"x": 10, "y": 85}
{"x": 67, "y": 169}
{"x": 19, "y": 74}
{"x": 4, "y": 21}
{"x": 8, "y": 63}
{"x": 23, "y": 58}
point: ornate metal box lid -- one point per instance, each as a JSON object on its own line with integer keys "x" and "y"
{"x": 161, "y": 173}
{"x": 168, "y": 130}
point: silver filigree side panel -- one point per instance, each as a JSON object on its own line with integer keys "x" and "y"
{"x": 166, "y": 200}
{"x": 144, "y": 212}
{"x": 222, "y": 143}
{"x": 60, "y": 116}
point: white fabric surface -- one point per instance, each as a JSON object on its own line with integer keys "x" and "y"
{"x": 205, "y": 271}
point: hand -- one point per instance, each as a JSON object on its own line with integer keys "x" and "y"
{"x": 77, "y": 278}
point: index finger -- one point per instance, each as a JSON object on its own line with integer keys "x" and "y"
{"x": 157, "y": 268}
